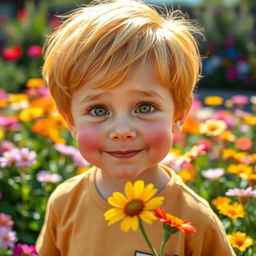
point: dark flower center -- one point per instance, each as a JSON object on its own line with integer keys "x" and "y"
{"x": 135, "y": 207}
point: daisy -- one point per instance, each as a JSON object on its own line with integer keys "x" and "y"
{"x": 137, "y": 204}
{"x": 213, "y": 174}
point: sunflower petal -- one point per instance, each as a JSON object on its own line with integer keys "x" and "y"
{"x": 134, "y": 223}
{"x": 129, "y": 190}
{"x": 149, "y": 191}
{"x": 147, "y": 216}
{"x": 126, "y": 224}
{"x": 138, "y": 188}
{"x": 113, "y": 215}
{"x": 154, "y": 202}
{"x": 117, "y": 200}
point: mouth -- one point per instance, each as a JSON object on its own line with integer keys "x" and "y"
{"x": 124, "y": 154}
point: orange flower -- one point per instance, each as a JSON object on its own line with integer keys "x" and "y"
{"x": 174, "y": 222}
{"x": 221, "y": 200}
{"x": 47, "y": 104}
{"x": 243, "y": 143}
{"x": 191, "y": 125}
{"x": 187, "y": 174}
{"x": 35, "y": 82}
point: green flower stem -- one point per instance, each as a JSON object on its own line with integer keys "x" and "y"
{"x": 166, "y": 237}
{"x": 153, "y": 250}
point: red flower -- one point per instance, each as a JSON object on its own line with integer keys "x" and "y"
{"x": 174, "y": 222}
{"x": 12, "y": 53}
{"x": 22, "y": 14}
{"x": 34, "y": 51}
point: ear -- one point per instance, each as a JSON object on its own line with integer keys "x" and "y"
{"x": 179, "y": 121}
{"x": 70, "y": 124}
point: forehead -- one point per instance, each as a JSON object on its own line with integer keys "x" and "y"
{"x": 142, "y": 81}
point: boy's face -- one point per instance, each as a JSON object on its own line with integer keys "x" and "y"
{"x": 126, "y": 130}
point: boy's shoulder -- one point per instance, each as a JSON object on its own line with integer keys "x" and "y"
{"x": 73, "y": 185}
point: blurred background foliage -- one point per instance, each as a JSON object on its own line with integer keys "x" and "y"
{"x": 229, "y": 51}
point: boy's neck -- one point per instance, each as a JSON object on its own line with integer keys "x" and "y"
{"x": 106, "y": 184}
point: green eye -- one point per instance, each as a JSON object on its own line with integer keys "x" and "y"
{"x": 99, "y": 111}
{"x": 145, "y": 108}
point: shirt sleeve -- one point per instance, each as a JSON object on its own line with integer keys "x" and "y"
{"x": 46, "y": 242}
{"x": 213, "y": 242}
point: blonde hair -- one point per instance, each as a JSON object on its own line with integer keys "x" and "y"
{"x": 113, "y": 36}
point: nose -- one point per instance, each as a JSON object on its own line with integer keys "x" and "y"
{"x": 123, "y": 132}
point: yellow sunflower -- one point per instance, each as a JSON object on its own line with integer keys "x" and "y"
{"x": 240, "y": 241}
{"x": 137, "y": 203}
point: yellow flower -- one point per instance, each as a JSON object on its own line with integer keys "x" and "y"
{"x": 233, "y": 211}
{"x": 35, "y": 82}
{"x": 31, "y": 113}
{"x": 250, "y": 119}
{"x": 239, "y": 169}
{"x": 213, "y": 100}
{"x": 19, "y": 97}
{"x": 227, "y": 136}
{"x": 240, "y": 241}
{"x": 1, "y": 133}
{"x": 137, "y": 203}
{"x": 212, "y": 127}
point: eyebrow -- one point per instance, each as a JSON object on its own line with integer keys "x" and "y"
{"x": 148, "y": 93}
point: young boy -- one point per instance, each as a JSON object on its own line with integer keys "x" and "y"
{"x": 122, "y": 77}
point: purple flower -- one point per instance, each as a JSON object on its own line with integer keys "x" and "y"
{"x": 5, "y": 221}
{"x": 213, "y": 174}
{"x": 241, "y": 192}
{"x": 7, "y": 238}
{"x": 47, "y": 177}
{"x": 8, "y": 158}
{"x": 24, "y": 157}
{"x": 24, "y": 250}
{"x": 232, "y": 74}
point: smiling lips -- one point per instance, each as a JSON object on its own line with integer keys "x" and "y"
{"x": 124, "y": 154}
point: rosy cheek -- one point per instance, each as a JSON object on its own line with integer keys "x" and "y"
{"x": 159, "y": 140}
{"x": 89, "y": 142}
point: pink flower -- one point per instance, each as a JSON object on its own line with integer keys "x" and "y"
{"x": 213, "y": 174}
{"x": 34, "y": 51}
{"x": 241, "y": 192}
{"x": 6, "y": 146}
{"x": 12, "y": 53}
{"x": 206, "y": 143}
{"x": 7, "y": 238}
{"x": 3, "y": 94}
{"x": 47, "y": 177}
{"x": 8, "y": 158}
{"x": 24, "y": 250}
{"x": 24, "y": 157}
{"x": 240, "y": 99}
{"x": 6, "y": 221}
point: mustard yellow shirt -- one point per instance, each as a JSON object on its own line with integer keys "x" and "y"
{"x": 74, "y": 224}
